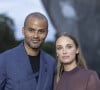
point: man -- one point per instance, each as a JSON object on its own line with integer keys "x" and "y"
{"x": 27, "y": 67}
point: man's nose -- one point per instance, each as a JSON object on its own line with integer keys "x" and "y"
{"x": 35, "y": 34}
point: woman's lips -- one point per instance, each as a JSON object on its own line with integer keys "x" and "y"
{"x": 65, "y": 57}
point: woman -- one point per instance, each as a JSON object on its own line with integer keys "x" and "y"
{"x": 72, "y": 72}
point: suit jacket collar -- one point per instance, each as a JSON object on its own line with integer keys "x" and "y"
{"x": 43, "y": 73}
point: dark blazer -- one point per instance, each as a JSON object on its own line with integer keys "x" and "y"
{"x": 16, "y": 72}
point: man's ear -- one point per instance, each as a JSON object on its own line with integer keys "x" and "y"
{"x": 23, "y": 30}
{"x": 46, "y": 34}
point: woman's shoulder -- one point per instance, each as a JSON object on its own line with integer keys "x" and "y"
{"x": 89, "y": 72}
{"x": 93, "y": 82}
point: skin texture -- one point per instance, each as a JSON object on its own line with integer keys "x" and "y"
{"x": 66, "y": 52}
{"x": 35, "y": 32}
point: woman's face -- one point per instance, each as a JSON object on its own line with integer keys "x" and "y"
{"x": 66, "y": 50}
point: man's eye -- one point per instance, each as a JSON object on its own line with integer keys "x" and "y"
{"x": 31, "y": 30}
{"x": 42, "y": 31}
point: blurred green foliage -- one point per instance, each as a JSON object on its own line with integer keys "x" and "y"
{"x": 7, "y": 38}
{"x": 49, "y": 47}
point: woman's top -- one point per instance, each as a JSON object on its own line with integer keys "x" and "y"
{"x": 79, "y": 79}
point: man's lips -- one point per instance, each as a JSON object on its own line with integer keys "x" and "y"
{"x": 35, "y": 41}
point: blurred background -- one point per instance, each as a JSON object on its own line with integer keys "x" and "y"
{"x": 81, "y": 18}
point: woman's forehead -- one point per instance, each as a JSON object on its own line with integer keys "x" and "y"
{"x": 64, "y": 39}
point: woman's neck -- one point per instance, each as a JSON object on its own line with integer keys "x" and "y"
{"x": 69, "y": 67}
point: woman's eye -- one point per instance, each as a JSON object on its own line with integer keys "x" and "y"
{"x": 69, "y": 46}
{"x": 59, "y": 48}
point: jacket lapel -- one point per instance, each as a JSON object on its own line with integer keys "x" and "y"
{"x": 25, "y": 69}
{"x": 24, "y": 61}
{"x": 43, "y": 73}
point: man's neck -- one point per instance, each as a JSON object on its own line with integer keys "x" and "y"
{"x": 30, "y": 51}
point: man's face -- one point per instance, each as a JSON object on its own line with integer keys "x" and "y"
{"x": 35, "y": 32}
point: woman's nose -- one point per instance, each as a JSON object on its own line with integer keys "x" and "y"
{"x": 64, "y": 51}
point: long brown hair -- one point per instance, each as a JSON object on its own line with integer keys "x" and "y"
{"x": 79, "y": 57}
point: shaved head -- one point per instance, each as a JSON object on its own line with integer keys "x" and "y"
{"x": 36, "y": 15}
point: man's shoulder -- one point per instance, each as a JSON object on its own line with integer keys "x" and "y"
{"x": 47, "y": 56}
{"x": 50, "y": 60}
{"x": 12, "y": 50}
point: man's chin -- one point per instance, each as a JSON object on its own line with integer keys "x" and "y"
{"x": 36, "y": 47}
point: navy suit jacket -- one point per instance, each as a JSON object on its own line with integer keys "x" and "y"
{"x": 16, "y": 72}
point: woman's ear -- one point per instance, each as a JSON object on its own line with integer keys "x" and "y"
{"x": 77, "y": 51}
{"x": 57, "y": 55}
